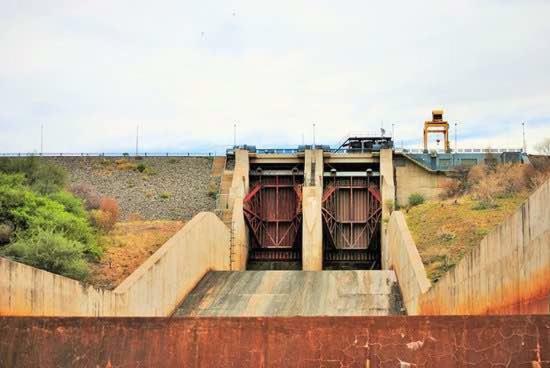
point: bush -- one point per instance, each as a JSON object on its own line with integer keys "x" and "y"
{"x": 451, "y": 188}
{"x": 71, "y": 203}
{"x": 88, "y": 194}
{"x": 416, "y": 199}
{"x": 476, "y": 174}
{"x": 485, "y": 204}
{"x": 30, "y": 211}
{"x": 6, "y": 232}
{"x": 106, "y": 217}
{"x": 44, "y": 177}
{"x": 51, "y": 251}
{"x": 110, "y": 206}
{"x": 125, "y": 165}
{"x": 141, "y": 167}
{"x": 101, "y": 220}
{"x": 503, "y": 180}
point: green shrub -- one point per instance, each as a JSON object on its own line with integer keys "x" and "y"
{"x": 71, "y": 203}
{"x": 416, "y": 199}
{"x": 485, "y": 204}
{"x": 141, "y": 167}
{"x": 30, "y": 211}
{"x": 50, "y": 251}
{"x": 44, "y": 177}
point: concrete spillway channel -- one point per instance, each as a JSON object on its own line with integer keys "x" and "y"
{"x": 294, "y": 293}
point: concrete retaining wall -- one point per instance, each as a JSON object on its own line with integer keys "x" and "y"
{"x": 403, "y": 258}
{"x": 508, "y": 273}
{"x": 154, "y": 289}
{"x": 411, "y": 178}
{"x": 237, "y": 192}
{"x": 28, "y": 291}
{"x": 352, "y": 342}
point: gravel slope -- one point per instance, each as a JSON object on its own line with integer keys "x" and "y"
{"x": 169, "y": 188}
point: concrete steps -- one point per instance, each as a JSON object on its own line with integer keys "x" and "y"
{"x": 294, "y": 293}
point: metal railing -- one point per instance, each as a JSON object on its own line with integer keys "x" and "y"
{"x": 461, "y": 150}
{"x": 211, "y": 154}
{"x": 107, "y": 154}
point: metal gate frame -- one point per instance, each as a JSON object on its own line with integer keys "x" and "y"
{"x": 274, "y": 224}
{"x": 356, "y": 231}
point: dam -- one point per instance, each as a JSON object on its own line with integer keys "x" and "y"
{"x": 306, "y": 260}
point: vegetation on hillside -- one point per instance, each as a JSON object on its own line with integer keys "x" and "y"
{"x": 44, "y": 225}
{"x": 477, "y": 201}
{"x": 127, "y": 246}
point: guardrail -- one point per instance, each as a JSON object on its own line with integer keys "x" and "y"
{"x": 231, "y": 151}
{"x": 460, "y": 150}
{"x": 108, "y": 154}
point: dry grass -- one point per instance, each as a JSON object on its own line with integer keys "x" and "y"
{"x": 444, "y": 231}
{"x": 106, "y": 216}
{"x": 127, "y": 246}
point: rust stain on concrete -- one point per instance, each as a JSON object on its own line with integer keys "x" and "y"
{"x": 349, "y": 342}
{"x": 532, "y": 297}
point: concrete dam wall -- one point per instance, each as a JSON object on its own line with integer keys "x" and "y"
{"x": 294, "y": 342}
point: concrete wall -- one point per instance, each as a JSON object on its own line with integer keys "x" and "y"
{"x": 412, "y": 178}
{"x": 312, "y": 229}
{"x": 291, "y": 342}
{"x": 508, "y": 273}
{"x": 313, "y": 168}
{"x": 158, "y": 286}
{"x": 28, "y": 291}
{"x": 239, "y": 189}
{"x": 154, "y": 289}
{"x": 403, "y": 258}
{"x": 387, "y": 189}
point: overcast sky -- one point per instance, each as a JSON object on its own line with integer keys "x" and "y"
{"x": 185, "y": 71}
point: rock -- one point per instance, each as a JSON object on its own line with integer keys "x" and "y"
{"x": 184, "y": 179}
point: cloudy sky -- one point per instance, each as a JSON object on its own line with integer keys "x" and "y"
{"x": 186, "y": 71}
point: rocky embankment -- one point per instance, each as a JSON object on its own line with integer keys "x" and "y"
{"x": 149, "y": 188}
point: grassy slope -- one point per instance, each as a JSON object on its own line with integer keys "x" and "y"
{"x": 127, "y": 246}
{"x": 444, "y": 231}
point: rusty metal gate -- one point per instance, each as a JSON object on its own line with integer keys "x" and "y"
{"x": 351, "y": 215}
{"x": 273, "y": 213}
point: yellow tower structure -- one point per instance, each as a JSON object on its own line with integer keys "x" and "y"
{"x": 437, "y": 126}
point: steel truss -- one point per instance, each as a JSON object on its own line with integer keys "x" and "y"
{"x": 351, "y": 212}
{"x": 273, "y": 213}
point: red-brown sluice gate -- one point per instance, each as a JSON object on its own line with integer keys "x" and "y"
{"x": 351, "y": 209}
{"x": 351, "y": 213}
{"x": 273, "y": 212}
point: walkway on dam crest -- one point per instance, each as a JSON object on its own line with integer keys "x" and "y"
{"x": 294, "y": 293}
